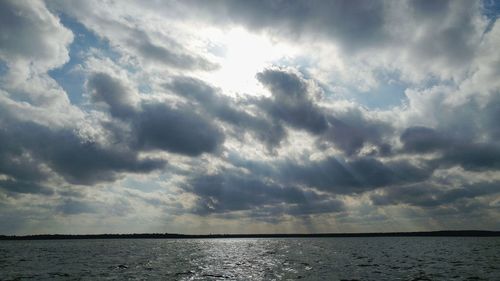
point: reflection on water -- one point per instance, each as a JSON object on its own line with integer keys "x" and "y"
{"x": 251, "y": 259}
{"x": 424, "y": 258}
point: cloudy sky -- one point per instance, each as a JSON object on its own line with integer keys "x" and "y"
{"x": 249, "y": 116}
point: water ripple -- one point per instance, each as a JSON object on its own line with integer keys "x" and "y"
{"x": 406, "y": 258}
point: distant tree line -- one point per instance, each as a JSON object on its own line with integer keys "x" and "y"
{"x": 449, "y": 233}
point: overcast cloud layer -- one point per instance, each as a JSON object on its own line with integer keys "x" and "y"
{"x": 249, "y": 116}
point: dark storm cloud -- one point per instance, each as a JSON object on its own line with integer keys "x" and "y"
{"x": 472, "y": 132}
{"x": 254, "y": 191}
{"x": 155, "y": 125}
{"x": 422, "y": 139}
{"x": 473, "y": 156}
{"x": 179, "y": 130}
{"x": 198, "y": 90}
{"x": 315, "y": 207}
{"x": 338, "y": 175}
{"x": 353, "y": 176}
{"x": 23, "y": 186}
{"x": 492, "y": 114}
{"x": 355, "y": 23}
{"x": 349, "y": 139}
{"x": 234, "y": 191}
{"x": 464, "y": 152}
{"x": 431, "y": 195}
{"x": 226, "y": 109}
{"x": 21, "y": 173}
{"x": 108, "y": 90}
{"x": 23, "y": 167}
{"x": 272, "y": 213}
{"x": 351, "y": 131}
{"x": 77, "y": 160}
{"x": 87, "y": 163}
{"x": 291, "y": 101}
{"x": 294, "y": 104}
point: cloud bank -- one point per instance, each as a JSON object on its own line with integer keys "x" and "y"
{"x": 353, "y": 116}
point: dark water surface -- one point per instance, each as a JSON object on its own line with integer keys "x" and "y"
{"x": 391, "y": 258}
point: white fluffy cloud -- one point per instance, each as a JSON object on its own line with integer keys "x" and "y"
{"x": 32, "y": 38}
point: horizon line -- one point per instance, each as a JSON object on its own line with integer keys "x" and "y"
{"x": 166, "y": 235}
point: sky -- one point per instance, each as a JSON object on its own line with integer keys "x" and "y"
{"x": 239, "y": 116}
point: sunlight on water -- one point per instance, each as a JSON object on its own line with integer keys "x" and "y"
{"x": 439, "y": 258}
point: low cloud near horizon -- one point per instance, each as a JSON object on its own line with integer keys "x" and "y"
{"x": 249, "y": 116}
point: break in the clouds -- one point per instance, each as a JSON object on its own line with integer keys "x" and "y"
{"x": 249, "y": 116}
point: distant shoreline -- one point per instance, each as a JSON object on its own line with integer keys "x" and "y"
{"x": 443, "y": 233}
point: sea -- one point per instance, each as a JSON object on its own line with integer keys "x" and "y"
{"x": 374, "y": 258}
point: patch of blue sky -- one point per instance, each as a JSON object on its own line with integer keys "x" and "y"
{"x": 388, "y": 93}
{"x": 69, "y": 77}
{"x": 491, "y": 9}
{"x": 144, "y": 88}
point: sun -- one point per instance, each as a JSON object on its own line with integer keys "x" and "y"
{"x": 242, "y": 55}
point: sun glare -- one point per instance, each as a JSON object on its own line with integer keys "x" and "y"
{"x": 242, "y": 55}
